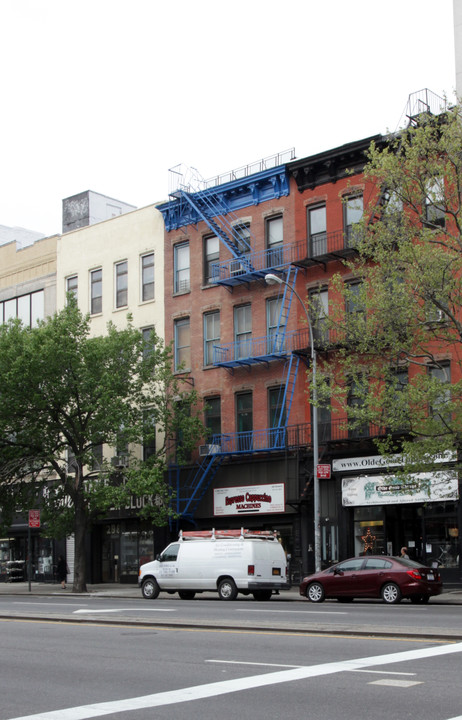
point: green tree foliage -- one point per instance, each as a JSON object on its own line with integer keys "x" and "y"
{"x": 63, "y": 394}
{"x": 403, "y": 346}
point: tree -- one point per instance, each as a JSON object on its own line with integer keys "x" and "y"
{"x": 403, "y": 351}
{"x": 64, "y": 394}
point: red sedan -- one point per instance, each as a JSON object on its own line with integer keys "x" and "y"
{"x": 373, "y": 576}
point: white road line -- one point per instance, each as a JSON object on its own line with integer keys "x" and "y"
{"x": 389, "y": 682}
{"x": 382, "y": 672}
{"x": 19, "y": 602}
{"x": 243, "y": 662}
{"x": 199, "y": 692}
{"x": 294, "y": 612}
{"x": 116, "y": 610}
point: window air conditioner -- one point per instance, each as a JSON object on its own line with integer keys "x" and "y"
{"x": 205, "y": 450}
{"x": 119, "y": 461}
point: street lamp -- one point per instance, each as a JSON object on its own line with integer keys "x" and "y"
{"x": 271, "y": 279}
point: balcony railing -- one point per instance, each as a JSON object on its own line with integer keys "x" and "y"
{"x": 252, "y": 266}
{"x": 290, "y": 437}
{"x": 262, "y": 349}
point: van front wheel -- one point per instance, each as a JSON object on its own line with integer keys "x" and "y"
{"x": 150, "y": 589}
{"x": 227, "y": 589}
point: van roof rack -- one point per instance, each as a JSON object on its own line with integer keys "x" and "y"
{"x": 223, "y": 534}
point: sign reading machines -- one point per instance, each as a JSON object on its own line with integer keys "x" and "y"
{"x": 249, "y": 500}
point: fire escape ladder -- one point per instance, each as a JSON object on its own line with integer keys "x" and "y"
{"x": 291, "y": 371}
{"x": 197, "y": 485}
{"x": 211, "y": 210}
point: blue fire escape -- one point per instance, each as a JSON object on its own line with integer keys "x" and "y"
{"x": 214, "y": 207}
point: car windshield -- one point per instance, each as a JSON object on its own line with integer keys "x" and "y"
{"x": 408, "y": 563}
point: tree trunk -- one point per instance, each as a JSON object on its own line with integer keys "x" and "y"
{"x": 80, "y": 565}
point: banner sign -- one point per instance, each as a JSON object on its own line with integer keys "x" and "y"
{"x": 249, "y": 500}
{"x": 374, "y": 462}
{"x": 391, "y": 490}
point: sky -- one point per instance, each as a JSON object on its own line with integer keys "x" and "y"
{"x": 108, "y": 95}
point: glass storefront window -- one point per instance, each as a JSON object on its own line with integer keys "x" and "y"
{"x": 369, "y": 531}
{"x": 442, "y": 535}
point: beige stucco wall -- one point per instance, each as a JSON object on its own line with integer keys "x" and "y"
{"x": 29, "y": 269}
{"x": 104, "y": 244}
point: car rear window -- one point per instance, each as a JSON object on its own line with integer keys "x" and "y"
{"x": 378, "y": 564}
{"x": 408, "y": 563}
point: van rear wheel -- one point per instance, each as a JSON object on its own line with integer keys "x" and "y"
{"x": 227, "y": 589}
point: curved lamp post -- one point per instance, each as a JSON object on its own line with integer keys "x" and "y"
{"x": 271, "y": 279}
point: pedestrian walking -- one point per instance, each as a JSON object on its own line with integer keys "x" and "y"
{"x": 61, "y": 571}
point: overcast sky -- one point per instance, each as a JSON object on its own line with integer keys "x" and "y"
{"x": 107, "y": 95}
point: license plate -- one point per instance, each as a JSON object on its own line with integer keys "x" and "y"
{"x": 430, "y": 576}
{"x": 276, "y": 571}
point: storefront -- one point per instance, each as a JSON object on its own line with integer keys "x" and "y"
{"x": 387, "y": 512}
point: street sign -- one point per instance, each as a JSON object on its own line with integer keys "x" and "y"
{"x": 323, "y": 472}
{"x": 34, "y": 518}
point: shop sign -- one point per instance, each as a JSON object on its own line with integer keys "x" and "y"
{"x": 390, "y": 490}
{"x": 249, "y": 500}
{"x": 374, "y": 462}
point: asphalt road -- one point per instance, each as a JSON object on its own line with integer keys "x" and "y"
{"x": 59, "y": 670}
{"x": 368, "y": 617}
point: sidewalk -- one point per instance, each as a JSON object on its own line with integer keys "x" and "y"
{"x": 450, "y": 596}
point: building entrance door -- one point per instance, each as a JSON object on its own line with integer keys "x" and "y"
{"x": 110, "y": 553}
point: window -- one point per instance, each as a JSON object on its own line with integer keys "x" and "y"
{"x": 97, "y": 457}
{"x": 182, "y": 345}
{"x": 274, "y": 241}
{"x": 441, "y": 397}
{"x": 275, "y": 326}
{"x": 181, "y": 268}
{"x": 242, "y": 238}
{"x": 276, "y": 408}
{"x": 211, "y": 256}
{"x": 212, "y": 416}
{"x": 23, "y": 309}
{"x": 149, "y": 434}
{"x": 211, "y": 335}
{"x": 28, "y": 308}
{"x": 148, "y": 341}
{"x": 435, "y": 203}
{"x": 121, "y": 284}
{"x": 398, "y": 408}
{"x": 242, "y": 331}
{"x": 319, "y": 312}
{"x": 355, "y": 310}
{"x": 317, "y": 235}
{"x": 356, "y": 400}
{"x": 244, "y": 420}
{"x": 96, "y": 291}
{"x": 147, "y": 277}
{"x": 353, "y": 212}
{"x": 72, "y": 286}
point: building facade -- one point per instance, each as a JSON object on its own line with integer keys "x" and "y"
{"x": 115, "y": 268}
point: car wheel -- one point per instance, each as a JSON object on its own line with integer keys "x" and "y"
{"x": 187, "y": 594}
{"x": 391, "y": 593}
{"x": 150, "y": 589}
{"x": 262, "y": 594}
{"x": 425, "y": 599}
{"x": 315, "y": 592}
{"x": 227, "y": 589}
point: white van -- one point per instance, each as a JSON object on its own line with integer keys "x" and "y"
{"x": 225, "y": 561}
